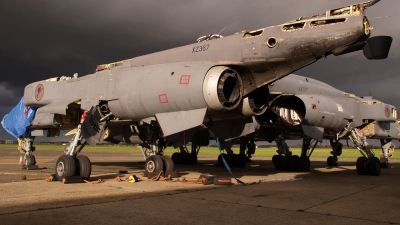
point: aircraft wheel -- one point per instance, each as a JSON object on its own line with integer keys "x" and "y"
{"x": 168, "y": 165}
{"x": 30, "y": 160}
{"x": 286, "y": 162}
{"x": 361, "y": 165}
{"x": 240, "y": 161}
{"x": 384, "y": 165}
{"x": 191, "y": 158}
{"x": 177, "y": 158}
{"x": 154, "y": 165}
{"x": 304, "y": 164}
{"x": 374, "y": 167}
{"x": 279, "y": 161}
{"x": 83, "y": 166}
{"x": 275, "y": 159}
{"x": 220, "y": 163}
{"x": 65, "y": 167}
{"x": 331, "y": 161}
{"x": 294, "y": 163}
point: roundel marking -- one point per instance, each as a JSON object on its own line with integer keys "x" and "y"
{"x": 387, "y": 111}
{"x": 39, "y": 92}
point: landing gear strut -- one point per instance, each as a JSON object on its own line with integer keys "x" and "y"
{"x": 306, "y": 152}
{"x": 25, "y": 145}
{"x": 336, "y": 151}
{"x": 387, "y": 152}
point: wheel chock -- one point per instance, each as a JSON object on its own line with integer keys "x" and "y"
{"x": 51, "y": 178}
{"x": 133, "y": 179}
{"x": 217, "y": 180}
{"x": 72, "y": 180}
{"x": 209, "y": 179}
{"x": 173, "y": 174}
{"x": 224, "y": 180}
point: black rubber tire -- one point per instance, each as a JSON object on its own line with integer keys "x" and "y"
{"x": 330, "y": 161}
{"x": 83, "y": 167}
{"x": 65, "y": 167}
{"x": 182, "y": 158}
{"x": 220, "y": 162}
{"x": 240, "y": 161}
{"x": 286, "y": 163}
{"x": 385, "y": 165}
{"x": 176, "y": 158}
{"x": 275, "y": 159}
{"x": 154, "y": 165}
{"x": 294, "y": 163}
{"x": 30, "y": 160}
{"x": 279, "y": 160}
{"x": 227, "y": 158}
{"x": 361, "y": 165}
{"x": 304, "y": 164}
{"x": 190, "y": 158}
{"x": 374, "y": 167}
{"x": 168, "y": 165}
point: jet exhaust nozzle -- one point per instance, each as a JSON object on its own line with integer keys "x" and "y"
{"x": 222, "y": 88}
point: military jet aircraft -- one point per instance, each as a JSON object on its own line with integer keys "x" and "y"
{"x": 220, "y": 82}
{"x": 302, "y": 107}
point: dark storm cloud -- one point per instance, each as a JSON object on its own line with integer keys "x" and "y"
{"x": 46, "y": 38}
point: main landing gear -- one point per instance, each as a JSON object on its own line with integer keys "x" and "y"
{"x": 186, "y": 157}
{"x": 156, "y": 163}
{"x": 368, "y": 163}
{"x": 159, "y": 165}
{"x": 286, "y": 161}
{"x": 72, "y": 164}
{"x": 90, "y": 131}
{"x": 238, "y": 160}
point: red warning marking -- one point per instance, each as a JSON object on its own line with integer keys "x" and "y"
{"x": 163, "y": 98}
{"x": 39, "y": 92}
{"x": 387, "y": 111}
{"x": 184, "y": 79}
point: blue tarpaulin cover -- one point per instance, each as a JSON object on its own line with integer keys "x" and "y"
{"x": 18, "y": 119}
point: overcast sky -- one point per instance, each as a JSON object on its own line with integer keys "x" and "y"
{"x": 46, "y": 38}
